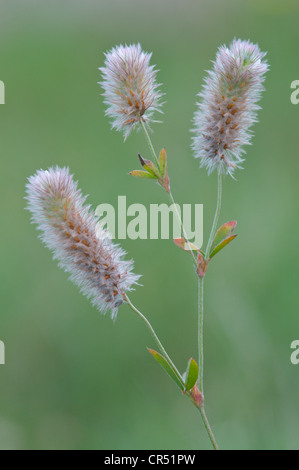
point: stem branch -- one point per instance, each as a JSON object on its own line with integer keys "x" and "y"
{"x": 149, "y": 326}
{"x": 216, "y": 216}
{"x": 152, "y": 149}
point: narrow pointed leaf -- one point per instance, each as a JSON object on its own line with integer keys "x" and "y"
{"x": 168, "y": 369}
{"x": 223, "y": 232}
{"x": 162, "y": 161}
{"x": 149, "y": 166}
{"x": 186, "y": 246}
{"x": 222, "y": 245}
{"x": 191, "y": 374}
{"x": 142, "y": 174}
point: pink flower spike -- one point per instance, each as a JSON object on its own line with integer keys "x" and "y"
{"x": 130, "y": 88}
{"x": 228, "y": 106}
{"x": 71, "y": 231}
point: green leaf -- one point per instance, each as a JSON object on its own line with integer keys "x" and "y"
{"x": 149, "y": 166}
{"x": 162, "y": 161}
{"x": 222, "y": 245}
{"x": 166, "y": 366}
{"x": 142, "y": 174}
{"x": 191, "y": 374}
{"x": 223, "y": 232}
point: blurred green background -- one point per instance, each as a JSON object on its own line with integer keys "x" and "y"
{"x": 75, "y": 380}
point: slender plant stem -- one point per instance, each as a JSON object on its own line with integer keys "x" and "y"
{"x": 201, "y": 361}
{"x": 217, "y": 212}
{"x": 201, "y": 312}
{"x": 149, "y": 141}
{"x": 208, "y": 428}
{"x": 200, "y": 333}
{"x": 149, "y": 326}
{"x": 201, "y": 284}
{"x": 178, "y": 216}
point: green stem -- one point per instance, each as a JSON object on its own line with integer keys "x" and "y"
{"x": 149, "y": 141}
{"x": 208, "y": 428}
{"x": 201, "y": 311}
{"x": 201, "y": 360}
{"x": 200, "y": 332}
{"x": 201, "y": 282}
{"x": 160, "y": 345}
{"x": 216, "y": 216}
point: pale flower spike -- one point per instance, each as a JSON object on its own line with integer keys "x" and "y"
{"x": 227, "y": 106}
{"x": 71, "y": 231}
{"x": 130, "y": 88}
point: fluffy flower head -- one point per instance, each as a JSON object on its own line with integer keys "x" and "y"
{"x": 71, "y": 231}
{"x": 228, "y": 105}
{"x": 130, "y": 88}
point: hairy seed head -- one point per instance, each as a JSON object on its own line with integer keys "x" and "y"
{"x": 130, "y": 88}
{"x": 227, "y": 106}
{"x": 73, "y": 234}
